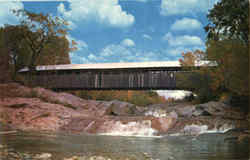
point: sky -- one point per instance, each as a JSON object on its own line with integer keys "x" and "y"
{"x": 125, "y": 30}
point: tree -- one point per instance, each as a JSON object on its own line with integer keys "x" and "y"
{"x": 229, "y": 19}
{"x": 199, "y": 80}
{"x": 232, "y": 57}
{"x": 42, "y": 30}
{"x": 56, "y": 52}
{"x": 4, "y": 60}
{"x": 190, "y": 59}
{"x": 16, "y": 49}
{"x": 227, "y": 44}
{"x": 38, "y": 40}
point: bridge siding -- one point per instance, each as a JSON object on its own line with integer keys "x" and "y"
{"x": 107, "y": 79}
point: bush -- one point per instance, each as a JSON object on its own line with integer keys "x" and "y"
{"x": 141, "y": 98}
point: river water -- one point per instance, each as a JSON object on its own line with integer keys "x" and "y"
{"x": 203, "y": 147}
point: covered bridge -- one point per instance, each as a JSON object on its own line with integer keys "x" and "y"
{"x": 128, "y": 76}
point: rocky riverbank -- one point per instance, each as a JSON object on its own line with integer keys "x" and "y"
{"x": 7, "y": 153}
{"x": 44, "y": 110}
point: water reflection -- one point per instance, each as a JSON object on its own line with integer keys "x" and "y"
{"x": 205, "y": 147}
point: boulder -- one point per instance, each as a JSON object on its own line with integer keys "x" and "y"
{"x": 198, "y": 111}
{"x": 34, "y": 114}
{"x": 138, "y": 110}
{"x": 219, "y": 109}
{"x": 60, "y": 98}
{"x": 155, "y": 112}
{"x": 163, "y": 124}
{"x": 186, "y": 111}
{"x": 122, "y": 108}
{"x": 195, "y": 129}
{"x": 104, "y": 108}
{"x": 14, "y": 90}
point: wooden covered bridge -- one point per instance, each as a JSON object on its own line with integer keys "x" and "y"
{"x": 108, "y": 76}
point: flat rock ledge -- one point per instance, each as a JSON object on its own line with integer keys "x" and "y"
{"x": 40, "y": 109}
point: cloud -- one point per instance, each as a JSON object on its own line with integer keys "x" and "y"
{"x": 61, "y": 8}
{"x": 117, "y": 53}
{"x": 176, "y": 51}
{"x": 113, "y": 50}
{"x": 134, "y": 0}
{"x": 185, "y": 40}
{"x": 6, "y": 15}
{"x": 121, "y": 53}
{"x": 128, "y": 43}
{"x": 79, "y": 56}
{"x": 78, "y": 59}
{"x": 105, "y": 12}
{"x": 148, "y": 37}
{"x": 186, "y": 24}
{"x": 180, "y": 7}
{"x": 92, "y": 57}
{"x": 80, "y": 44}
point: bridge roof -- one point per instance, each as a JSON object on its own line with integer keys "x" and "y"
{"x": 123, "y": 65}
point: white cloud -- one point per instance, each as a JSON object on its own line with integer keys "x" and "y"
{"x": 6, "y": 15}
{"x": 61, "y": 8}
{"x": 92, "y": 57}
{"x": 80, "y": 44}
{"x": 113, "y": 50}
{"x": 175, "y": 7}
{"x": 107, "y": 12}
{"x": 79, "y": 56}
{"x": 146, "y": 36}
{"x": 128, "y": 43}
{"x": 135, "y": 0}
{"x": 79, "y": 59}
{"x": 120, "y": 53}
{"x": 174, "y": 52}
{"x": 185, "y": 40}
{"x": 186, "y": 24}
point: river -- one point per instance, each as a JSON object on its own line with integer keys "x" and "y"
{"x": 203, "y": 147}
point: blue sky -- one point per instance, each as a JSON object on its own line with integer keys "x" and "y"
{"x": 125, "y": 30}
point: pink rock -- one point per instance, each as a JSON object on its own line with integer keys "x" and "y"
{"x": 34, "y": 114}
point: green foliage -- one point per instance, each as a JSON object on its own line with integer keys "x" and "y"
{"x": 141, "y": 98}
{"x": 229, "y": 19}
{"x": 40, "y": 30}
{"x": 55, "y": 52}
{"x": 16, "y": 48}
{"x": 232, "y": 57}
{"x": 199, "y": 80}
{"x": 38, "y": 40}
{"x": 227, "y": 44}
{"x": 4, "y": 65}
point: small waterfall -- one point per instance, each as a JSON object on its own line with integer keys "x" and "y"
{"x": 201, "y": 129}
{"x": 139, "y": 129}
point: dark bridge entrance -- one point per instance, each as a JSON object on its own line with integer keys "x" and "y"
{"x": 108, "y": 76}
